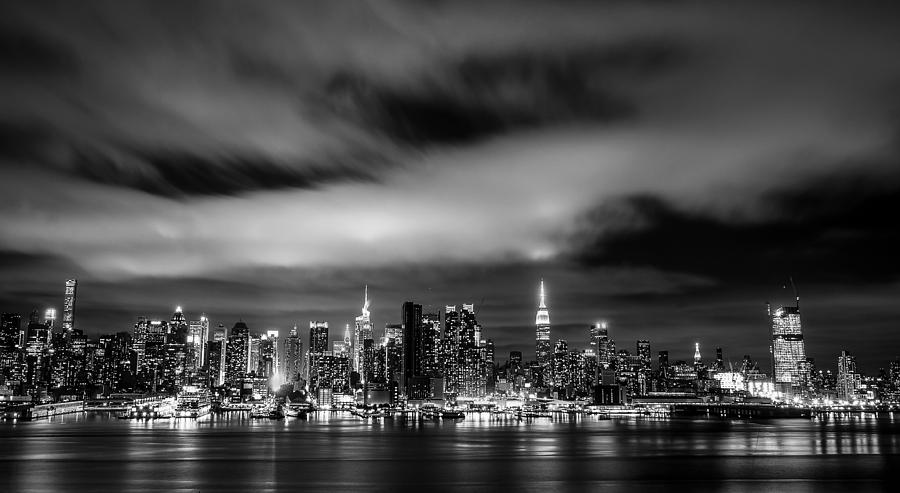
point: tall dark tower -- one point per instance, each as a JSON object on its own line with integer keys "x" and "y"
{"x": 413, "y": 342}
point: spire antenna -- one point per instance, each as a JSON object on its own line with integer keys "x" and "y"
{"x": 543, "y": 304}
{"x": 365, "y": 308}
{"x": 796, "y": 293}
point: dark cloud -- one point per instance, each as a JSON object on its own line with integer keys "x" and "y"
{"x": 31, "y": 54}
{"x": 180, "y": 174}
{"x": 829, "y": 229}
{"x": 488, "y": 94}
{"x": 22, "y": 140}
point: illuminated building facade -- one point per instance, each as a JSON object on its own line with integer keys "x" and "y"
{"x": 237, "y": 355}
{"x": 848, "y": 379}
{"x": 788, "y": 349}
{"x": 198, "y": 334}
{"x": 543, "y": 353}
{"x": 318, "y": 336}
{"x": 267, "y": 366}
{"x": 215, "y": 362}
{"x": 363, "y": 331}
{"x": 68, "y": 324}
{"x": 293, "y": 356}
{"x": 149, "y": 344}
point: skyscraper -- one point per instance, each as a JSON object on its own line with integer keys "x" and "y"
{"x": 318, "y": 336}
{"x": 643, "y": 353}
{"x": 600, "y": 343}
{"x": 215, "y": 362}
{"x": 176, "y": 351}
{"x": 363, "y": 331}
{"x": 848, "y": 380}
{"x": 293, "y": 356}
{"x": 237, "y": 355}
{"x": 198, "y": 334}
{"x": 221, "y": 333}
{"x": 268, "y": 365}
{"x": 431, "y": 338}
{"x": 69, "y": 307}
{"x": 788, "y": 348}
{"x": 411, "y": 319}
{"x": 542, "y": 335}
{"x": 10, "y": 327}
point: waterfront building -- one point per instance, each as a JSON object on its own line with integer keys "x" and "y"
{"x": 172, "y": 372}
{"x": 329, "y": 371}
{"x": 788, "y": 348}
{"x": 848, "y": 379}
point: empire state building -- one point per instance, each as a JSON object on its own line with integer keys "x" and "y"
{"x": 542, "y": 335}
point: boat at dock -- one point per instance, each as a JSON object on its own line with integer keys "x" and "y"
{"x": 266, "y": 411}
{"x": 296, "y": 409}
{"x": 192, "y": 402}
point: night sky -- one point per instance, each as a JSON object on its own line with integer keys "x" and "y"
{"x": 665, "y": 166}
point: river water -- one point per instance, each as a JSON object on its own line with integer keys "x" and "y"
{"x": 93, "y": 452}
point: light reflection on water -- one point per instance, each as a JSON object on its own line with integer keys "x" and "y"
{"x": 338, "y": 452}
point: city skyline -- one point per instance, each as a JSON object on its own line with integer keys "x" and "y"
{"x": 465, "y": 245}
{"x": 665, "y": 167}
{"x": 584, "y": 334}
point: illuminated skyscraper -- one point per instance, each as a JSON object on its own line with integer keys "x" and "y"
{"x": 318, "y": 336}
{"x": 542, "y": 335}
{"x": 788, "y": 349}
{"x": 10, "y": 328}
{"x": 198, "y": 334}
{"x": 848, "y": 380}
{"x": 221, "y": 333}
{"x": 643, "y": 353}
{"x": 363, "y": 331}
{"x": 318, "y": 346}
{"x": 293, "y": 356}
{"x": 431, "y": 338}
{"x": 602, "y": 346}
{"x": 237, "y": 355}
{"x": 68, "y": 324}
{"x": 268, "y": 365}
{"x": 50, "y": 318}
